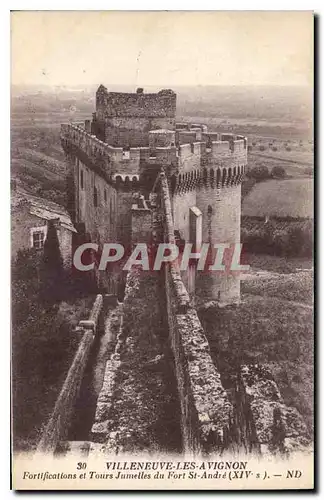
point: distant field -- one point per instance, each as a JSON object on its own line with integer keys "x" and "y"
{"x": 289, "y": 197}
{"x": 254, "y": 127}
{"x": 272, "y": 325}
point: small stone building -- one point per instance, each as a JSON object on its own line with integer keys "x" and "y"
{"x": 29, "y": 223}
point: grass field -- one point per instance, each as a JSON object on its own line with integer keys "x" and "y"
{"x": 272, "y": 325}
{"x": 289, "y": 197}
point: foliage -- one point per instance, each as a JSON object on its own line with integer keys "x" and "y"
{"x": 291, "y": 241}
{"x": 259, "y": 173}
{"x": 278, "y": 172}
{"x": 51, "y": 272}
{"x": 271, "y": 331}
{"x": 247, "y": 185}
{"x": 309, "y": 171}
{"x": 39, "y": 334}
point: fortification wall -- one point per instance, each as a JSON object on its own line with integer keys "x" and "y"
{"x": 124, "y": 219}
{"x": 100, "y": 199}
{"x": 100, "y": 156}
{"x": 60, "y": 420}
{"x": 139, "y": 104}
{"x": 126, "y": 118}
{"x": 133, "y": 131}
{"x": 97, "y": 206}
{"x": 141, "y": 222}
{"x": 137, "y": 409}
{"x": 206, "y": 413}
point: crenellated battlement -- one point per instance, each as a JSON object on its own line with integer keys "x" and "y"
{"x": 222, "y": 159}
{"x": 207, "y": 177}
{"x": 109, "y": 159}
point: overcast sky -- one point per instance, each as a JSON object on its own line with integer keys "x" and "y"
{"x": 162, "y": 48}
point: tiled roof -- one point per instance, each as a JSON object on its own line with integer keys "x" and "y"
{"x": 45, "y": 209}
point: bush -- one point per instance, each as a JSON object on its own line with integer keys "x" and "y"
{"x": 295, "y": 241}
{"x": 300, "y": 241}
{"x": 259, "y": 173}
{"x": 278, "y": 172}
{"x": 249, "y": 148}
{"x": 262, "y": 148}
{"x": 274, "y": 148}
{"x": 308, "y": 171}
{"x": 51, "y": 272}
{"x": 288, "y": 148}
{"x": 247, "y": 185}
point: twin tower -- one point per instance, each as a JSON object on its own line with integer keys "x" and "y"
{"x": 114, "y": 161}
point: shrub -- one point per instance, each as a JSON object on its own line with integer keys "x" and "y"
{"x": 288, "y": 148}
{"x": 293, "y": 241}
{"x": 274, "y": 148}
{"x": 262, "y": 148}
{"x": 259, "y": 173}
{"x": 300, "y": 241}
{"x": 247, "y": 185}
{"x": 278, "y": 172}
{"x": 52, "y": 269}
{"x": 308, "y": 171}
{"x": 249, "y": 148}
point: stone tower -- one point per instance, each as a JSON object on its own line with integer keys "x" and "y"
{"x": 219, "y": 199}
{"x": 118, "y": 156}
{"x": 206, "y": 199}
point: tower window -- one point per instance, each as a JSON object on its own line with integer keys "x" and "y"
{"x": 81, "y": 179}
{"x": 209, "y": 210}
{"x": 95, "y": 196}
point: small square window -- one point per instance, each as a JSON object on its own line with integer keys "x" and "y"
{"x": 38, "y": 239}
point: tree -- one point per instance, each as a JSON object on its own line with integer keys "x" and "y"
{"x": 259, "y": 173}
{"x": 278, "y": 172}
{"x": 51, "y": 272}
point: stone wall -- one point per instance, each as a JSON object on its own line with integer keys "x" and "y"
{"x": 141, "y": 223}
{"x": 139, "y": 104}
{"x": 97, "y": 206}
{"x": 206, "y": 413}
{"x": 126, "y": 118}
{"x": 137, "y": 408}
{"x": 58, "y": 426}
{"x": 270, "y": 426}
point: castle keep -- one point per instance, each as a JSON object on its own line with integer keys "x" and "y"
{"x": 115, "y": 161}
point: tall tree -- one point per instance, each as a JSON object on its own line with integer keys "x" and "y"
{"x": 51, "y": 273}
